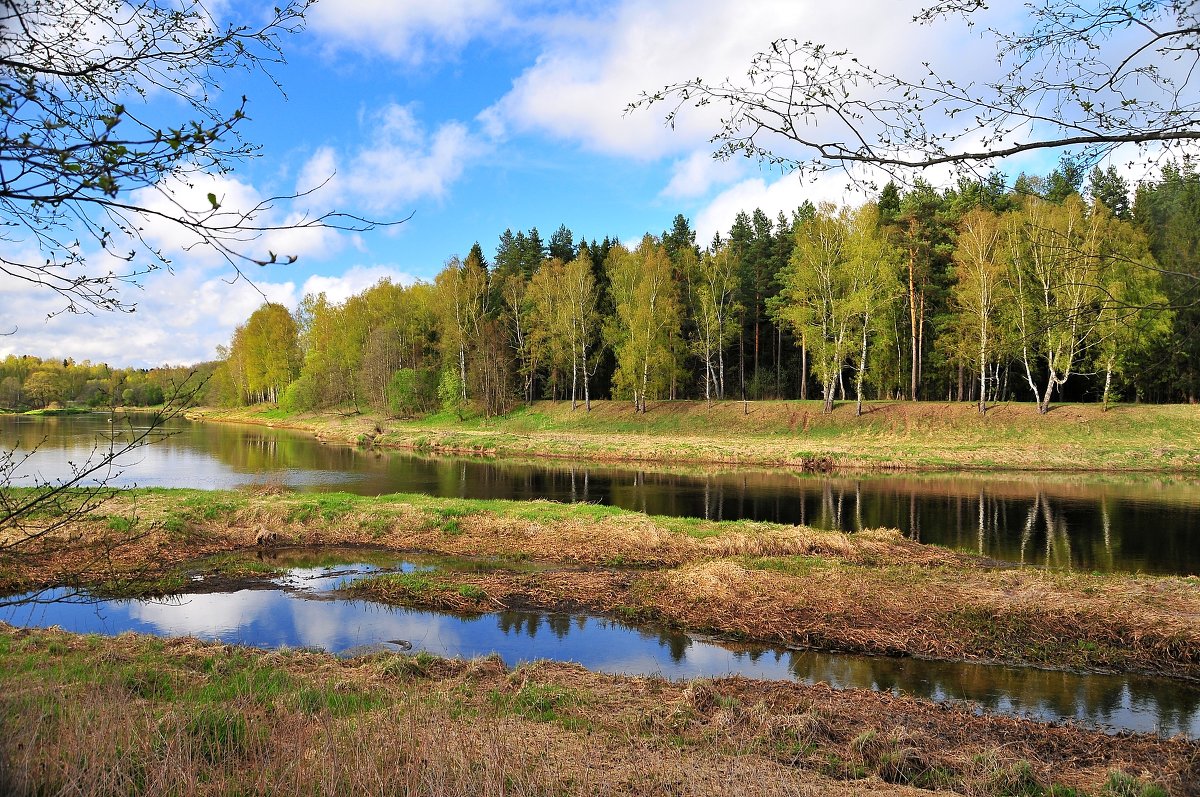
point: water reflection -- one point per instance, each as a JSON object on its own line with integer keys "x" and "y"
{"x": 1136, "y": 523}
{"x": 292, "y": 615}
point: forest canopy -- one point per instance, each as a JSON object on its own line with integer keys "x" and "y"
{"x": 1058, "y": 288}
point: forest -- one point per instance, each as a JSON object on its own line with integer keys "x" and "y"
{"x": 1070, "y": 287}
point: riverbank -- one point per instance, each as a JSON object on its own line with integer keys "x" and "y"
{"x": 870, "y": 592}
{"x": 136, "y": 714}
{"x": 142, "y": 715}
{"x": 890, "y": 436}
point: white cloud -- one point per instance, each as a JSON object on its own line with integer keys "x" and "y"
{"x": 694, "y": 175}
{"x": 401, "y": 161}
{"x": 354, "y": 280}
{"x": 407, "y": 32}
{"x": 283, "y": 222}
{"x": 783, "y": 194}
{"x": 582, "y": 81}
{"x": 181, "y": 318}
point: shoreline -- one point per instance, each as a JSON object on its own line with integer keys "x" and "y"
{"x": 892, "y": 437}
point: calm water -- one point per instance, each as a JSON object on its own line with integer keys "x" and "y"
{"x": 298, "y": 612}
{"x": 1106, "y": 523}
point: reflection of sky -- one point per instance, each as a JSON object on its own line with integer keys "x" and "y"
{"x": 297, "y": 617}
{"x": 161, "y": 466}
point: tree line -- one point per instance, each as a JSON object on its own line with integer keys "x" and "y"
{"x": 1068, "y": 287}
{"x": 30, "y": 383}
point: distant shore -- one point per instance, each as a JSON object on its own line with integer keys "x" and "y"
{"x": 889, "y": 436}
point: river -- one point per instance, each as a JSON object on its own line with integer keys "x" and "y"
{"x": 1090, "y": 522}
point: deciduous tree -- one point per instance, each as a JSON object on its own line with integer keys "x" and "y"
{"x": 647, "y": 310}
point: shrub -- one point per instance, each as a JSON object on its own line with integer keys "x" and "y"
{"x": 413, "y": 391}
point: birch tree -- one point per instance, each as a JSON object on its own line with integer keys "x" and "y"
{"x": 549, "y": 320}
{"x": 978, "y": 290}
{"x": 647, "y": 309}
{"x": 712, "y": 293}
{"x": 1133, "y": 314}
{"x": 579, "y": 291}
{"x": 815, "y": 295}
{"x": 462, "y": 298}
{"x": 872, "y": 265}
{"x": 513, "y": 295}
{"x": 1055, "y": 263}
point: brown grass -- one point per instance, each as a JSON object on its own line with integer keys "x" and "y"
{"x": 1016, "y": 617}
{"x": 76, "y": 722}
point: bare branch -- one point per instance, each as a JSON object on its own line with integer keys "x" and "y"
{"x": 1084, "y": 76}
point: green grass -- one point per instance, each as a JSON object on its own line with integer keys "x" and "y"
{"x": 542, "y": 703}
{"x": 343, "y": 701}
{"x": 788, "y": 565}
{"x": 221, "y": 733}
{"x": 925, "y": 435}
{"x": 59, "y": 412}
{"x": 327, "y": 506}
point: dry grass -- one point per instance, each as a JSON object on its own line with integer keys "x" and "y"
{"x": 1016, "y": 617}
{"x": 135, "y": 715}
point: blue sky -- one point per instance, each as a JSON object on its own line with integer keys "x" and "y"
{"x": 474, "y": 116}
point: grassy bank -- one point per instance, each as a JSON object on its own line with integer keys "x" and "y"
{"x": 870, "y": 592}
{"x": 137, "y": 715}
{"x": 889, "y": 436}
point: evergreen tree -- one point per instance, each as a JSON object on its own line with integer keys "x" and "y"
{"x": 1111, "y": 189}
{"x": 562, "y": 244}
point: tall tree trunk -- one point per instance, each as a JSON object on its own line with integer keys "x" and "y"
{"x": 742, "y": 373}
{"x": 803, "y": 367}
{"x": 574, "y": 377}
{"x": 1044, "y": 402}
{"x": 1108, "y": 371}
{"x": 756, "y": 323}
{"x": 912, "y": 318}
{"x": 587, "y": 394}
{"x": 982, "y": 375}
{"x": 862, "y": 366}
{"x": 920, "y": 340}
{"x": 645, "y": 381}
{"x": 720, "y": 364}
{"x": 779, "y": 361}
{"x": 462, "y": 370}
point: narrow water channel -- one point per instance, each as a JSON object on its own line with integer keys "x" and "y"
{"x": 300, "y": 609}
